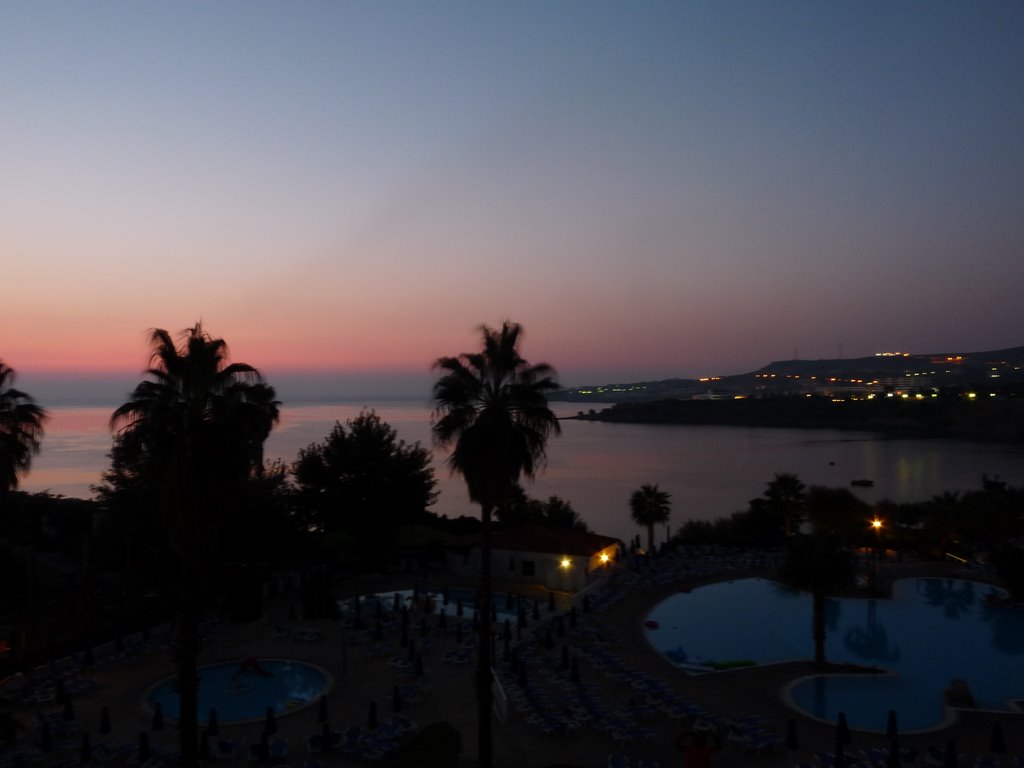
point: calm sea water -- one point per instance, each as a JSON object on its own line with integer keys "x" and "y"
{"x": 710, "y": 471}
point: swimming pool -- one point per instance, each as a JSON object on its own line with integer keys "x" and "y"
{"x": 932, "y": 631}
{"x": 241, "y": 691}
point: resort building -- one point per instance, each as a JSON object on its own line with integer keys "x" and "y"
{"x": 556, "y": 558}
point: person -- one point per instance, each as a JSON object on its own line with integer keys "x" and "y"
{"x": 699, "y": 747}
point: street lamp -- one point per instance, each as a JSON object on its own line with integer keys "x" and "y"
{"x": 876, "y": 524}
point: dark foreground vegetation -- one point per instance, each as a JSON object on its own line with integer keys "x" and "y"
{"x": 950, "y": 415}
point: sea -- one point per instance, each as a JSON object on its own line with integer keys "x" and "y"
{"x": 709, "y": 471}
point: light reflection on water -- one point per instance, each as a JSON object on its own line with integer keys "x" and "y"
{"x": 710, "y": 471}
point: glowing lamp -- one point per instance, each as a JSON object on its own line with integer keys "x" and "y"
{"x": 604, "y": 557}
{"x": 876, "y": 524}
{"x": 565, "y": 562}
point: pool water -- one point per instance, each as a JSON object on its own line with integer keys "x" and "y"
{"x": 931, "y": 632}
{"x": 245, "y": 694}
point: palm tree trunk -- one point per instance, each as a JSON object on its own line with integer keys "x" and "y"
{"x": 650, "y": 538}
{"x": 483, "y": 672}
{"x": 188, "y": 676}
{"x": 818, "y": 627}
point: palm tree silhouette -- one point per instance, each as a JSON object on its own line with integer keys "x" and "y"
{"x": 786, "y": 494}
{"x": 21, "y": 429}
{"x": 492, "y": 412}
{"x": 818, "y": 564}
{"x": 649, "y": 506}
{"x": 199, "y": 425}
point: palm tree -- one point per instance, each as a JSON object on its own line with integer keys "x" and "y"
{"x": 21, "y": 429}
{"x": 492, "y": 412}
{"x": 648, "y": 507}
{"x": 817, "y": 563}
{"x": 199, "y": 425}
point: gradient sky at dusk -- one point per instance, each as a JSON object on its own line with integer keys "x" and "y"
{"x": 652, "y": 189}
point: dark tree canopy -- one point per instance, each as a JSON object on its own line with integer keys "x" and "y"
{"x": 364, "y": 479}
{"x": 519, "y": 509}
{"x": 21, "y": 429}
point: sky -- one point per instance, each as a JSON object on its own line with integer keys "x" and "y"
{"x": 346, "y": 191}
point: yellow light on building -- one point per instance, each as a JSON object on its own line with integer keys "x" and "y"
{"x": 565, "y": 563}
{"x": 604, "y": 557}
{"x": 876, "y": 524}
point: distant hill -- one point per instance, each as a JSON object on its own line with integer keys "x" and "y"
{"x": 1001, "y": 369}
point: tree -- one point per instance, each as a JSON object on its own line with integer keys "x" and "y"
{"x": 492, "y": 413}
{"x": 649, "y": 506}
{"x": 519, "y": 509}
{"x": 819, "y": 564}
{"x": 21, "y": 430}
{"x": 198, "y": 425}
{"x": 787, "y": 497}
{"x": 363, "y": 479}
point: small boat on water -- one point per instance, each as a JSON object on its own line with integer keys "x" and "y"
{"x": 862, "y": 483}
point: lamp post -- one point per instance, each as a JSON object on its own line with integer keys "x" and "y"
{"x": 876, "y": 524}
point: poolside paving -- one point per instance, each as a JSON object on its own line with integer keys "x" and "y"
{"x": 360, "y": 678}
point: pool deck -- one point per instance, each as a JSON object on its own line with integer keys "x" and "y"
{"x": 358, "y": 679}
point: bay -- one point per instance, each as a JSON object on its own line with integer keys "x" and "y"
{"x": 710, "y": 471}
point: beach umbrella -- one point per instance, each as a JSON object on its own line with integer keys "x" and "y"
{"x": 378, "y": 608}
{"x": 521, "y": 614}
{"x": 792, "y": 742}
{"x": 270, "y": 724}
{"x": 212, "y": 726}
{"x": 423, "y": 626}
{"x": 586, "y": 603}
{"x": 378, "y": 632}
{"x": 574, "y": 671}
{"x": 326, "y": 737}
{"x": 104, "y": 721}
{"x": 560, "y": 627}
{"x": 69, "y": 708}
{"x": 396, "y": 603}
{"x": 950, "y": 759}
{"x": 476, "y": 621}
{"x": 997, "y": 745}
{"x": 459, "y": 608}
{"x": 46, "y": 738}
{"x": 85, "y": 752}
{"x": 494, "y": 612}
{"x": 551, "y": 601}
{"x": 442, "y": 619}
{"x": 371, "y": 718}
{"x": 412, "y": 650}
{"x": 842, "y": 730}
{"x": 519, "y": 630}
{"x": 458, "y": 633}
{"x": 840, "y": 761}
{"x": 144, "y": 751}
{"x": 565, "y": 656}
{"x": 506, "y": 629}
{"x": 506, "y": 649}
{"x": 404, "y": 641}
{"x": 572, "y": 617}
{"x": 321, "y": 712}
{"x": 549, "y": 639}
{"x": 204, "y": 746}
{"x": 536, "y": 611}
{"x": 444, "y": 595}
{"x": 263, "y": 750}
{"x": 893, "y": 759}
{"x": 417, "y": 665}
{"x": 891, "y": 730}
{"x": 158, "y": 718}
{"x": 405, "y": 615}
{"x": 509, "y": 603}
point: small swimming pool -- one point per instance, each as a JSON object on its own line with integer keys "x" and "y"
{"x": 243, "y": 689}
{"x": 930, "y": 632}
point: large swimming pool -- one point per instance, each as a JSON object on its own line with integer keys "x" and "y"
{"x": 931, "y": 632}
{"x": 242, "y": 690}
